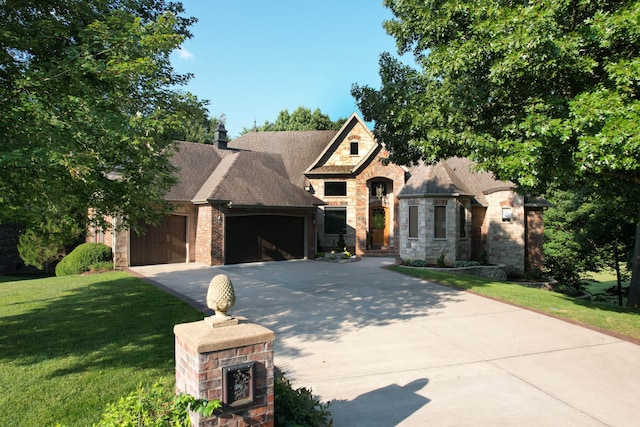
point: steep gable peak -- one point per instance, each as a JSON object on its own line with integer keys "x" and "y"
{"x": 352, "y": 146}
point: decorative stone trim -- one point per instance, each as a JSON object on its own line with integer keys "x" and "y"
{"x": 497, "y": 272}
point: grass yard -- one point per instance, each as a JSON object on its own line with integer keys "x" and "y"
{"x": 70, "y": 345}
{"x": 615, "y": 319}
{"x": 598, "y": 283}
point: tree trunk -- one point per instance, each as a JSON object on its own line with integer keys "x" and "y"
{"x": 618, "y": 278}
{"x": 634, "y": 289}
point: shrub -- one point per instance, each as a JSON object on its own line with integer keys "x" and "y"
{"x": 84, "y": 258}
{"x": 157, "y": 407}
{"x": 463, "y": 263}
{"x": 440, "y": 261}
{"x": 37, "y": 250}
{"x": 565, "y": 273}
{"x": 47, "y": 242}
{"x": 418, "y": 263}
{"x": 298, "y": 407}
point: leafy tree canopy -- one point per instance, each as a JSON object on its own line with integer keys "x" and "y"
{"x": 88, "y": 107}
{"x": 537, "y": 92}
{"x": 198, "y": 126}
{"x": 301, "y": 119}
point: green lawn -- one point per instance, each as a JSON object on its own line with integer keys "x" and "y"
{"x": 70, "y": 345}
{"x": 618, "y": 320}
{"x": 598, "y": 283}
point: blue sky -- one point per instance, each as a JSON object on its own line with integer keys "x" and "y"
{"x": 253, "y": 58}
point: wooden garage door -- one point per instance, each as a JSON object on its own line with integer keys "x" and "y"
{"x": 166, "y": 243}
{"x": 264, "y": 238}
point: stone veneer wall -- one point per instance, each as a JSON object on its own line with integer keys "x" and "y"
{"x": 357, "y": 199}
{"x": 505, "y": 240}
{"x": 426, "y": 246}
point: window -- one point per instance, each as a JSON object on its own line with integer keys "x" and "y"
{"x": 335, "y": 188}
{"x": 335, "y": 220}
{"x": 463, "y": 222}
{"x": 354, "y": 148}
{"x": 507, "y": 214}
{"x": 413, "y": 222}
{"x": 440, "y": 222}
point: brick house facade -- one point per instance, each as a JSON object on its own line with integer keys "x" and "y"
{"x": 353, "y": 161}
{"x": 284, "y": 195}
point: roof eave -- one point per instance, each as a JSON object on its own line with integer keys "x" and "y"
{"x": 432, "y": 195}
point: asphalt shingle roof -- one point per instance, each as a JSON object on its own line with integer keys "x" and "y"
{"x": 454, "y": 176}
{"x": 298, "y": 149}
{"x": 240, "y": 176}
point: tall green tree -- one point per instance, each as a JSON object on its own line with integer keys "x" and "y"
{"x": 584, "y": 232}
{"x": 198, "y": 125}
{"x": 540, "y": 92}
{"x": 88, "y": 107}
{"x": 301, "y": 118}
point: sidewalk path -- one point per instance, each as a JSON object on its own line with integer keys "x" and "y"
{"x": 390, "y": 350}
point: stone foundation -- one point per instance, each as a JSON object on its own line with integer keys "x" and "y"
{"x": 497, "y": 272}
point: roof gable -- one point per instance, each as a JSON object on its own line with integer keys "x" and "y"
{"x": 337, "y": 158}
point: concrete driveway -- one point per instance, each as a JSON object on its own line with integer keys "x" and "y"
{"x": 391, "y": 350}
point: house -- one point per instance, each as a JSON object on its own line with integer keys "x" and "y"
{"x": 288, "y": 195}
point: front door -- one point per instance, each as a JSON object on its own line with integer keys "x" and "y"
{"x": 379, "y": 232}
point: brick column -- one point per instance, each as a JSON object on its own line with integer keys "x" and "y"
{"x": 202, "y": 354}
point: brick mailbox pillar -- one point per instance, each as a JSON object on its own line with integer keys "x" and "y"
{"x": 227, "y": 359}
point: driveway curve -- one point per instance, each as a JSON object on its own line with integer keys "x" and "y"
{"x": 390, "y": 350}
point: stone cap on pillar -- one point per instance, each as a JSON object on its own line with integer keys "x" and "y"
{"x": 202, "y": 338}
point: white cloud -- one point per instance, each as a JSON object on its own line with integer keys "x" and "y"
{"x": 185, "y": 54}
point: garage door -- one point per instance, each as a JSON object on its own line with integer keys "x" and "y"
{"x": 163, "y": 244}
{"x": 264, "y": 238}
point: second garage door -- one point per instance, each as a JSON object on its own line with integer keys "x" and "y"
{"x": 264, "y": 238}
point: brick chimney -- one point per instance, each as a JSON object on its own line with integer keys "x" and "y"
{"x": 220, "y": 137}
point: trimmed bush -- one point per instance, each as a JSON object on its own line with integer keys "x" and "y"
{"x": 463, "y": 263}
{"x": 298, "y": 407}
{"x": 418, "y": 263}
{"x": 85, "y": 257}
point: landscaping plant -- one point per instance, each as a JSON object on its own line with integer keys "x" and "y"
{"x": 298, "y": 407}
{"x": 86, "y": 257}
{"x": 157, "y": 406}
